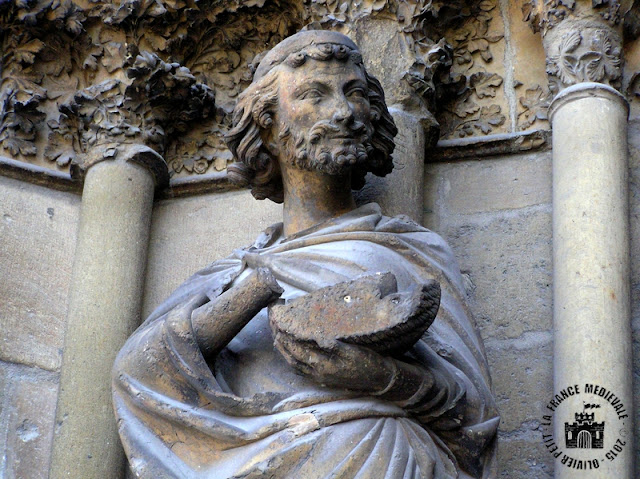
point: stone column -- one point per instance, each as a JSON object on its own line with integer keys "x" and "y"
{"x": 592, "y": 327}
{"x": 402, "y": 191}
{"x": 591, "y": 279}
{"x": 122, "y": 126}
{"x": 104, "y": 308}
{"x": 394, "y": 60}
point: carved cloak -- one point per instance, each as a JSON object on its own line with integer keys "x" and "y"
{"x": 248, "y": 415}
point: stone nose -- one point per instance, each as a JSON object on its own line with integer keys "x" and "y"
{"x": 343, "y": 112}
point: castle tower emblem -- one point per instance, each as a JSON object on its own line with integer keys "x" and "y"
{"x": 585, "y": 432}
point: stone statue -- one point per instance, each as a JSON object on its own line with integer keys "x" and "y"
{"x": 305, "y": 354}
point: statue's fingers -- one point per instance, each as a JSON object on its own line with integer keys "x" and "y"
{"x": 354, "y": 353}
{"x": 288, "y": 347}
{"x": 291, "y": 353}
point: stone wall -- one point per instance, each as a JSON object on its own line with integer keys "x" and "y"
{"x": 496, "y": 215}
{"x": 38, "y": 235}
{"x": 214, "y": 230}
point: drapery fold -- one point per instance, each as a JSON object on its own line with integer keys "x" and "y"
{"x": 247, "y": 414}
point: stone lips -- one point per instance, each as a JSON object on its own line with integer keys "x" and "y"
{"x": 367, "y": 311}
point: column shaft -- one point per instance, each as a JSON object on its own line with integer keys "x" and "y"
{"x": 592, "y": 333}
{"x": 104, "y": 308}
{"x": 402, "y": 191}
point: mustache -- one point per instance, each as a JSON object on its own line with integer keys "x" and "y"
{"x": 328, "y": 127}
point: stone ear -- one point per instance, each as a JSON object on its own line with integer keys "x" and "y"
{"x": 269, "y": 135}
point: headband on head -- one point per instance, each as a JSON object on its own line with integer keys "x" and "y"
{"x": 293, "y": 44}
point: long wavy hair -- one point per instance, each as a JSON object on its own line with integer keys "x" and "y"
{"x": 256, "y": 167}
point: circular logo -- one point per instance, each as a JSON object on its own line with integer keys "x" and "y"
{"x": 590, "y": 426}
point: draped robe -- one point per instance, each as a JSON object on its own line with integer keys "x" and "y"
{"x": 247, "y": 414}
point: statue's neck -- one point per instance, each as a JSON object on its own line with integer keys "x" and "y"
{"x": 311, "y": 197}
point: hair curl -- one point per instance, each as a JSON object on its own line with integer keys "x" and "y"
{"x": 256, "y": 167}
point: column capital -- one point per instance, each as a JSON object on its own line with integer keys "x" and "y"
{"x": 134, "y": 119}
{"x": 582, "y": 39}
{"x": 138, "y": 153}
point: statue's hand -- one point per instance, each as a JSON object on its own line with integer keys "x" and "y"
{"x": 337, "y": 364}
{"x": 346, "y": 366}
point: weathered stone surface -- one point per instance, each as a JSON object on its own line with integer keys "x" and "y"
{"x": 489, "y": 185}
{"x": 431, "y": 208}
{"x": 216, "y": 224}
{"x": 104, "y": 307}
{"x": 482, "y": 107}
{"x": 367, "y": 311}
{"x": 28, "y": 414}
{"x": 591, "y": 247}
{"x": 636, "y": 386}
{"x": 524, "y": 457}
{"x": 527, "y": 60}
{"x": 38, "y": 230}
{"x": 522, "y": 376}
{"x": 401, "y": 191}
{"x": 216, "y": 323}
{"x": 634, "y": 215}
{"x": 507, "y": 257}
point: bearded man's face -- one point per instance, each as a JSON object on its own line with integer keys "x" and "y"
{"x": 323, "y": 120}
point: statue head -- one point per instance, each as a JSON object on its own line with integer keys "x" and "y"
{"x": 311, "y": 105}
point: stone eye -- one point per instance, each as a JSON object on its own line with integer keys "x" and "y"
{"x": 357, "y": 93}
{"x": 312, "y": 93}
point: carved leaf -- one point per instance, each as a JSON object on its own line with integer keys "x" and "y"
{"x": 91, "y": 60}
{"x": 466, "y": 108}
{"x": 158, "y": 42}
{"x": 570, "y": 41}
{"x": 536, "y": 104}
{"x": 485, "y": 84}
{"x": 478, "y": 44}
{"x": 552, "y": 64}
{"x": 594, "y": 68}
{"x": 113, "y": 56}
{"x": 463, "y": 57}
{"x": 490, "y": 117}
{"x": 567, "y": 70}
{"x": 18, "y": 146}
{"x": 610, "y": 57}
{"x": 487, "y": 5}
{"x": 633, "y": 87}
{"x": 531, "y": 15}
{"x": 27, "y": 53}
{"x": 486, "y": 55}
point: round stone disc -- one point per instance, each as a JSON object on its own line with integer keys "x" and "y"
{"x": 367, "y": 311}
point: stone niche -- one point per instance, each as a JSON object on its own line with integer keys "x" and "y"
{"x": 82, "y": 79}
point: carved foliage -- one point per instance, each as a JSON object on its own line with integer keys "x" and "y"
{"x": 473, "y": 110}
{"x": 161, "y": 99}
{"x": 536, "y": 104}
{"x": 585, "y": 54}
{"x": 19, "y": 115}
{"x": 467, "y": 117}
{"x": 80, "y": 74}
{"x": 543, "y": 15}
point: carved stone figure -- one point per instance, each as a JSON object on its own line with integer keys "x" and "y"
{"x": 337, "y": 377}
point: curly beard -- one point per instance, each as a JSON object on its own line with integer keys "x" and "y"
{"x": 328, "y": 148}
